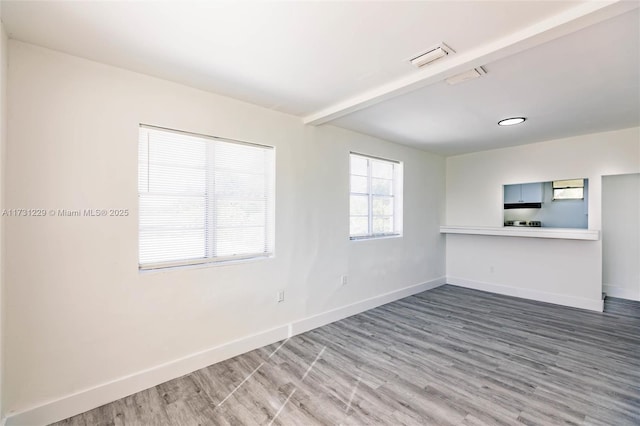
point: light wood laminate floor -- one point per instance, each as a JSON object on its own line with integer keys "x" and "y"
{"x": 449, "y": 356}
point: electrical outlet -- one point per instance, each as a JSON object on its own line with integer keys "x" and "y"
{"x": 280, "y": 296}
{"x": 343, "y": 280}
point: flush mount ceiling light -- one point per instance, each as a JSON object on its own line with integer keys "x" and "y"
{"x": 433, "y": 54}
{"x": 511, "y": 121}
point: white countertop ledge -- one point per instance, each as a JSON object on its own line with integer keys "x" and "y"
{"x": 517, "y": 231}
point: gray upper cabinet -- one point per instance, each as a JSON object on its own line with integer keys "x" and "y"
{"x": 532, "y": 192}
{"x": 512, "y": 194}
{"x": 523, "y": 193}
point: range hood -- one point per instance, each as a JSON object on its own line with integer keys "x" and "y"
{"x": 523, "y": 206}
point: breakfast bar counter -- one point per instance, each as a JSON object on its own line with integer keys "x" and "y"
{"x": 528, "y": 232}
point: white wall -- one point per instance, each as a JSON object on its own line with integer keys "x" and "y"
{"x": 566, "y": 272}
{"x": 79, "y": 315}
{"x": 621, "y": 235}
{"x": 3, "y": 134}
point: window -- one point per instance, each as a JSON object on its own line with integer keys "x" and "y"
{"x": 376, "y": 197}
{"x": 572, "y": 189}
{"x": 202, "y": 199}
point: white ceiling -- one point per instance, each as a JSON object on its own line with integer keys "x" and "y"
{"x": 585, "y": 82}
{"x": 571, "y": 67}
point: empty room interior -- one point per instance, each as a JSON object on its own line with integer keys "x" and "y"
{"x": 320, "y": 213}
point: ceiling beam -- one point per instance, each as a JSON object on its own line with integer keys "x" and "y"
{"x": 567, "y": 22}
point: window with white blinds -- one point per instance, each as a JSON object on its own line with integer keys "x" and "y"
{"x": 376, "y": 197}
{"x": 202, "y": 199}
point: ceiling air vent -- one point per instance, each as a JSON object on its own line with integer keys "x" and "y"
{"x": 466, "y": 76}
{"x": 433, "y": 54}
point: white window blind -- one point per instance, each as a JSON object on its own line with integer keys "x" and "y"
{"x": 376, "y": 197}
{"x": 202, "y": 199}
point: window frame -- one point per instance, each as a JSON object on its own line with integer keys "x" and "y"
{"x": 567, "y": 184}
{"x": 396, "y": 195}
{"x": 211, "y": 204}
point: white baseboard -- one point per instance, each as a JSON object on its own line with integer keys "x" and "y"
{"x": 540, "y": 296}
{"x": 87, "y": 399}
{"x": 306, "y": 324}
{"x": 621, "y": 292}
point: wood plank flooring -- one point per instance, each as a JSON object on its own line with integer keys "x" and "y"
{"x": 448, "y": 356}
{"x": 630, "y": 308}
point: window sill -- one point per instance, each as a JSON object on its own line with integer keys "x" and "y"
{"x": 209, "y": 264}
{"x": 375, "y": 237}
